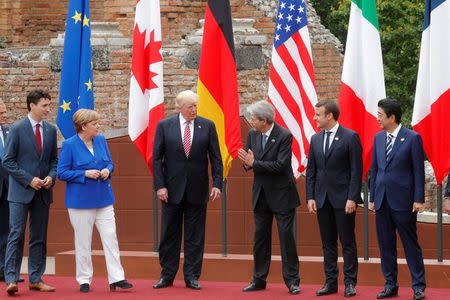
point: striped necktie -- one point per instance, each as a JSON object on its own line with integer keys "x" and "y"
{"x": 187, "y": 138}
{"x": 389, "y": 145}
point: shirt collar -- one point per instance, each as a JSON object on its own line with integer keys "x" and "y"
{"x": 268, "y": 132}
{"x": 334, "y": 129}
{"x": 395, "y": 132}
{"x": 183, "y": 120}
{"x": 33, "y": 122}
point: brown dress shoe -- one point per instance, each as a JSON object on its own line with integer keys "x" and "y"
{"x": 42, "y": 287}
{"x": 12, "y": 288}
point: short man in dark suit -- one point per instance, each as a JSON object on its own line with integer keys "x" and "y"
{"x": 447, "y": 196}
{"x": 182, "y": 146}
{"x": 30, "y": 159}
{"x": 268, "y": 152}
{"x": 397, "y": 182}
{"x": 333, "y": 189}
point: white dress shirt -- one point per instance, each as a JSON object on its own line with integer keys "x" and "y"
{"x": 332, "y": 135}
{"x": 41, "y": 129}
{"x": 183, "y": 126}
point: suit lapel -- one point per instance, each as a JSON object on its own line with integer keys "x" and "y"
{"x": 197, "y": 132}
{"x": 397, "y": 144}
{"x": 270, "y": 140}
{"x": 381, "y": 144}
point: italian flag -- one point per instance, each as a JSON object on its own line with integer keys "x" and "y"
{"x": 362, "y": 83}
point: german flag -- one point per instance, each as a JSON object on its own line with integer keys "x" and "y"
{"x": 217, "y": 81}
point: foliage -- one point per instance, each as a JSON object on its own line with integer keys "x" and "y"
{"x": 400, "y": 30}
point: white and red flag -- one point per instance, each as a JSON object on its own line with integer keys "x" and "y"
{"x": 146, "y": 106}
{"x": 362, "y": 82}
{"x": 432, "y": 102}
{"x": 292, "y": 87}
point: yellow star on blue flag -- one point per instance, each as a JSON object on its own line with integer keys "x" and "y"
{"x": 76, "y": 67}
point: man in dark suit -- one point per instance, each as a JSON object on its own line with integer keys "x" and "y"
{"x": 333, "y": 189}
{"x": 268, "y": 153}
{"x": 447, "y": 196}
{"x": 30, "y": 159}
{"x": 182, "y": 145}
{"x": 397, "y": 180}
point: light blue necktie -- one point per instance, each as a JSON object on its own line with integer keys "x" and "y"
{"x": 2, "y": 148}
{"x": 264, "y": 141}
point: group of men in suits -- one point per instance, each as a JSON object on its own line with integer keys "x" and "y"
{"x": 333, "y": 191}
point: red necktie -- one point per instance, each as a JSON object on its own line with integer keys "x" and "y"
{"x": 187, "y": 139}
{"x": 38, "y": 138}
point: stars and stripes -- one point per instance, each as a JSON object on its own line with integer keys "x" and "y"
{"x": 292, "y": 88}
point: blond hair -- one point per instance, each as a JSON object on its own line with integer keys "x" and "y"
{"x": 187, "y": 96}
{"x": 83, "y": 116}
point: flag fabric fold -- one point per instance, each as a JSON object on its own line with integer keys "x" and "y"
{"x": 217, "y": 81}
{"x": 146, "y": 102}
{"x": 362, "y": 82}
{"x": 432, "y": 100}
{"x": 292, "y": 87}
{"x": 77, "y": 82}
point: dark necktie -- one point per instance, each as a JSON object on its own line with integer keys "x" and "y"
{"x": 37, "y": 133}
{"x": 263, "y": 141}
{"x": 327, "y": 142}
{"x": 389, "y": 146}
{"x": 187, "y": 138}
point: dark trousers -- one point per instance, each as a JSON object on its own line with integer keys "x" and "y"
{"x": 37, "y": 247}
{"x": 263, "y": 243}
{"x": 387, "y": 222}
{"x": 194, "y": 219}
{"x": 333, "y": 223}
{"x": 4, "y": 231}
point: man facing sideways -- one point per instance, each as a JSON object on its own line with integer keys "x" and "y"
{"x": 268, "y": 152}
{"x": 182, "y": 147}
{"x": 30, "y": 159}
{"x": 333, "y": 189}
{"x": 397, "y": 180}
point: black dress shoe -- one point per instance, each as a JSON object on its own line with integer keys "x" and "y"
{"x": 122, "y": 284}
{"x": 193, "y": 284}
{"x": 419, "y": 294}
{"x": 349, "y": 291}
{"x": 84, "y": 288}
{"x": 254, "y": 287}
{"x": 21, "y": 280}
{"x": 294, "y": 289}
{"x": 388, "y": 293}
{"x": 327, "y": 289}
{"x": 163, "y": 283}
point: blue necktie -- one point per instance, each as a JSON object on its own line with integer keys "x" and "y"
{"x": 264, "y": 141}
{"x": 2, "y": 148}
{"x": 327, "y": 143}
{"x": 389, "y": 146}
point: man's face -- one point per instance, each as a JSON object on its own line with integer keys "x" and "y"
{"x": 257, "y": 124}
{"x": 385, "y": 121}
{"x": 2, "y": 114}
{"x": 189, "y": 110}
{"x": 40, "y": 110}
{"x": 322, "y": 118}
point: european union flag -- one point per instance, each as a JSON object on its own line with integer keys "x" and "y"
{"x": 76, "y": 85}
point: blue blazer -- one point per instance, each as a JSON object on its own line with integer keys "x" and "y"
{"x": 22, "y": 161}
{"x": 74, "y": 159}
{"x": 402, "y": 177}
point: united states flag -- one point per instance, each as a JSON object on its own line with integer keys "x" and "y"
{"x": 292, "y": 88}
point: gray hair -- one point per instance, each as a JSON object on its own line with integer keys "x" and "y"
{"x": 187, "y": 96}
{"x": 262, "y": 110}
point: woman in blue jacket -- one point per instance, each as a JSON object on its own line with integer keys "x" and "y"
{"x": 85, "y": 165}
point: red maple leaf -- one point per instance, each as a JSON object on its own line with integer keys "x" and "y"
{"x": 143, "y": 57}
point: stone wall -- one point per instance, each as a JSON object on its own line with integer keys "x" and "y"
{"x": 27, "y": 61}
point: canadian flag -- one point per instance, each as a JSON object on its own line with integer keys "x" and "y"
{"x": 146, "y": 106}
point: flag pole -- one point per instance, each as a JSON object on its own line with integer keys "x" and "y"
{"x": 439, "y": 224}
{"x": 366, "y": 220}
{"x": 224, "y": 218}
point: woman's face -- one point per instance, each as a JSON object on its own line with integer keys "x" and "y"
{"x": 92, "y": 128}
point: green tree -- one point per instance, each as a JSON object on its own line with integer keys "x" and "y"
{"x": 400, "y": 32}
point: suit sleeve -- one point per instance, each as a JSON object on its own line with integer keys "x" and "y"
{"x": 53, "y": 157}
{"x": 158, "y": 158}
{"x": 10, "y": 161}
{"x": 248, "y": 145}
{"x": 418, "y": 169}
{"x": 373, "y": 171}
{"x": 355, "y": 153}
{"x": 215, "y": 158}
{"x": 65, "y": 166}
{"x": 281, "y": 163}
{"x": 110, "y": 165}
{"x": 447, "y": 189}
{"x": 311, "y": 172}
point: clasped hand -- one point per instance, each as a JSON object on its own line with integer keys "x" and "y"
{"x": 96, "y": 174}
{"x": 246, "y": 157}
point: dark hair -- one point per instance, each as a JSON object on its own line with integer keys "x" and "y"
{"x": 35, "y": 96}
{"x": 330, "y": 106}
{"x": 391, "y": 107}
